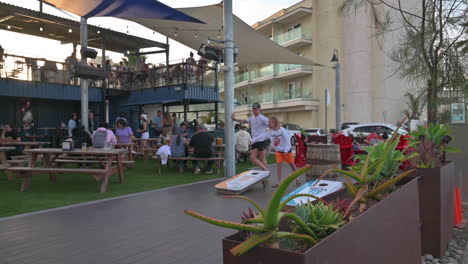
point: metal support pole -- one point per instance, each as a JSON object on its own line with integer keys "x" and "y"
{"x": 217, "y": 92}
{"x": 167, "y": 53}
{"x": 326, "y": 110}
{"x": 84, "y": 82}
{"x": 229, "y": 89}
{"x": 104, "y": 86}
{"x": 338, "y": 95}
{"x": 185, "y": 111}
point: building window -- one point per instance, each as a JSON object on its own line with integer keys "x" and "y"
{"x": 291, "y": 90}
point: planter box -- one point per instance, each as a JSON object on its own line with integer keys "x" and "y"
{"x": 387, "y": 233}
{"x": 436, "y": 198}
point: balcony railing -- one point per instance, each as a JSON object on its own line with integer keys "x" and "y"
{"x": 262, "y": 72}
{"x": 294, "y": 34}
{"x": 289, "y": 67}
{"x": 42, "y": 70}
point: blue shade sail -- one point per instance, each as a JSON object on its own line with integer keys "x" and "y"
{"x": 151, "y": 9}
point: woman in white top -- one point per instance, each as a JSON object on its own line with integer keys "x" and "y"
{"x": 279, "y": 137}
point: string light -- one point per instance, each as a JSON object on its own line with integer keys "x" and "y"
{"x": 99, "y": 31}
{"x": 9, "y": 27}
{"x": 41, "y": 29}
{"x": 219, "y": 35}
{"x": 153, "y": 32}
{"x": 70, "y": 30}
{"x": 196, "y": 35}
{"x": 175, "y": 33}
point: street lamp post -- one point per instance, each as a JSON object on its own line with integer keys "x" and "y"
{"x": 336, "y": 67}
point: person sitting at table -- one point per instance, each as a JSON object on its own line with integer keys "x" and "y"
{"x": 202, "y": 143}
{"x": 178, "y": 142}
{"x": 80, "y": 136}
{"x": 123, "y": 132}
{"x": 103, "y": 136}
{"x": 243, "y": 140}
{"x": 10, "y": 133}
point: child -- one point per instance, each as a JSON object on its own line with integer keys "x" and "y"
{"x": 279, "y": 137}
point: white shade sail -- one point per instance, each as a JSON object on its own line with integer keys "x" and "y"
{"x": 253, "y": 47}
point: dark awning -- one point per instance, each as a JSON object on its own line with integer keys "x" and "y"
{"x": 151, "y": 9}
{"x": 27, "y": 21}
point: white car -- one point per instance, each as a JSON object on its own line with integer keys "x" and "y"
{"x": 315, "y": 132}
{"x": 363, "y": 130}
{"x": 292, "y": 130}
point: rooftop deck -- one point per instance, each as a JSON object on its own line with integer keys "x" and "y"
{"x": 148, "y": 227}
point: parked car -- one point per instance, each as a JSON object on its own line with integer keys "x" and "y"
{"x": 315, "y": 131}
{"x": 363, "y": 130}
{"x": 292, "y": 130}
{"x": 348, "y": 124}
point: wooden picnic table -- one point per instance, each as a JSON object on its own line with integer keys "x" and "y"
{"x": 26, "y": 145}
{"x": 3, "y": 160}
{"x": 50, "y": 155}
{"x": 129, "y": 147}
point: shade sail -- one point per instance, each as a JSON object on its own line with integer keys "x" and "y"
{"x": 253, "y": 47}
{"x": 149, "y": 9}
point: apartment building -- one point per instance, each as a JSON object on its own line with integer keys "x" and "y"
{"x": 298, "y": 93}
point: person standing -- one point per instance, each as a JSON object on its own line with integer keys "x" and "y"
{"x": 123, "y": 132}
{"x": 157, "y": 121}
{"x": 143, "y": 129}
{"x": 280, "y": 139}
{"x": 167, "y": 124}
{"x": 72, "y": 123}
{"x": 91, "y": 122}
{"x": 258, "y": 124}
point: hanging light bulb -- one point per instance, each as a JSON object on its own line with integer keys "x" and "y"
{"x": 9, "y": 27}
{"x": 219, "y": 35}
{"x": 196, "y": 35}
{"x": 99, "y": 31}
{"x": 70, "y": 30}
{"x": 153, "y": 32}
{"x": 175, "y": 33}
{"x": 41, "y": 29}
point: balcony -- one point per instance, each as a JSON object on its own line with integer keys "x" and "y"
{"x": 286, "y": 71}
{"x": 295, "y": 38}
{"x": 286, "y": 105}
{"x": 262, "y": 75}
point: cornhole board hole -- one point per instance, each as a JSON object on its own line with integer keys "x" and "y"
{"x": 243, "y": 182}
{"x": 322, "y": 189}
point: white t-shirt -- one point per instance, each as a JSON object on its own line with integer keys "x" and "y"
{"x": 279, "y": 138}
{"x": 242, "y": 140}
{"x": 258, "y": 125}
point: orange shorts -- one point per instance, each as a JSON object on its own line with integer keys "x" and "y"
{"x": 284, "y": 157}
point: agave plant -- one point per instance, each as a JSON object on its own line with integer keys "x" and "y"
{"x": 386, "y": 151}
{"x": 432, "y": 144}
{"x": 368, "y": 184}
{"x": 265, "y": 225}
{"x": 321, "y": 218}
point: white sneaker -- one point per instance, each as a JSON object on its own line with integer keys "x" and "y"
{"x": 197, "y": 171}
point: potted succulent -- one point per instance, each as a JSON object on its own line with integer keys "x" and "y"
{"x": 436, "y": 186}
{"x": 385, "y": 231}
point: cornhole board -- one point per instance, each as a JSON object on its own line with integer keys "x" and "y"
{"x": 243, "y": 182}
{"x": 322, "y": 189}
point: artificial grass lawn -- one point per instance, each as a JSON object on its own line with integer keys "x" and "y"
{"x": 76, "y": 188}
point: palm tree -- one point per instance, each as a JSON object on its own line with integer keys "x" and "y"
{"x": 415, "y": 106}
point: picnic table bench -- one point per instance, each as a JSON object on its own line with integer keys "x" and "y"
{"x": 218, "y": 160}
{"x": 50, "y": 156}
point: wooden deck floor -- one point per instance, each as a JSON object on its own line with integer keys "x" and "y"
{"x": 144, "y": 228}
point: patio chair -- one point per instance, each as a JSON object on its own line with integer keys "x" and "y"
{"x": 346, "y": 149}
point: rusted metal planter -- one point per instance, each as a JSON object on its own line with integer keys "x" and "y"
{"x": 387, "y": 233}
{"x": 436, "y": 205}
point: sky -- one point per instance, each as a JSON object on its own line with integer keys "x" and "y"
{"x": 250, "y": 11}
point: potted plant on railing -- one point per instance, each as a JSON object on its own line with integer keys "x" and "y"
{"x": 436, "y": 186}
{"x": 387, "y": 226}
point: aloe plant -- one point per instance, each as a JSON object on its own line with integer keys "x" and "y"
{"x": 321, "y": 218}
{"x": 265, "y": 224}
